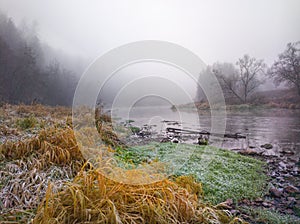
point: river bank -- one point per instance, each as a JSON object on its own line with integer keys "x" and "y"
{"x": 202, "y": 106}
{"x": 45, "y": 178}
{"x": 230, "y": 179}
{"x": 283, "y": 190}
{"x": 278, "y": 201}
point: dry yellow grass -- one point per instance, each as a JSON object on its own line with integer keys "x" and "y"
{"x": 28, "y": 166}
{"x": 39, "y": 171}
{"x": 94, "y": 198}
{"x": 52, "y": 146}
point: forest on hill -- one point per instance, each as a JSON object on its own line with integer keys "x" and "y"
{"x": 29, "y": 69}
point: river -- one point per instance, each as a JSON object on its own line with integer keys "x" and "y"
{"x": 279, "y": 127}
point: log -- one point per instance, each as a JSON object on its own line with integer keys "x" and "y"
{"x": 226, "y": 135}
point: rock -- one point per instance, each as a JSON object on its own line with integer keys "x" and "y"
{"x": 282, "y": 165}
{"x": 274, "y": 202}
{"x": 258, "y": 200}
{"x": 289, "y": 211}
{"x": 286, "y": 175}
{"x": 279, "y": 185}
{"x": 249, "y": 152}
{"x": 290, "y": 165}
{"x": 275, "y": 192}
{"x": 235, "y": 212}
{"x": 287, "y": 151}
{"x": 269, "y": 153}
{"x": 229, "y": 201}
{"x": 266, "y": 204}
{"x": 175, "y": 140}
{"x": 296, "y": 170}
{"x": 291, "y": 189}
{"x": 246, "y": 201}
{"x": 291, "y": 201}
{"x": 280, "y": 179}
{"x": 226, "y": 204}
{"x": 165, "y": 140}
{"x": 273, "y": 174}
{"x": 270, "y": 161}
{"x": 267, "y": 146}
{"x": 203, "y": 140}
{"x": 293, "y": 160}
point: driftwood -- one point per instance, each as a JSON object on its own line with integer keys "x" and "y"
{"x": 226, "y": 135}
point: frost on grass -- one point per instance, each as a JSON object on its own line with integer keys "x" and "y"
{"x": 40, "y": 165}
{"x": 224, "y": 174}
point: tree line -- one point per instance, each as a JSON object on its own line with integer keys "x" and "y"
{"x": 240, "y": 81}
{"x": 28, "y": 73}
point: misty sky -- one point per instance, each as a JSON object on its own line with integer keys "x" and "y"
{"x": 214, "y": 30}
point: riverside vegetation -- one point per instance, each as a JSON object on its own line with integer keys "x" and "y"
{"x": 45, "y": 178}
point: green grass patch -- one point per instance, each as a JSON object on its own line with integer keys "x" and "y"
{"x": 224, "y": 174}
{"x": 134, "y": 129}
{"x": 26, "y": 123}
{"x": 268, "y": 216}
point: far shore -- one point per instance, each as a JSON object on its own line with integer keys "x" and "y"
{"x": 239, "y": 107}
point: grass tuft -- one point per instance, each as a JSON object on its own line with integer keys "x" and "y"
{"x": 94, "y": 198}
{"x": 27, "y": 123}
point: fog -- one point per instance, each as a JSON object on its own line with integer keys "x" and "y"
{"x": 214, "y": 30}
{"x": 143, "y": 78}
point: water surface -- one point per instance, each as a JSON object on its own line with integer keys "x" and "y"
{"x": 279, "y": 127}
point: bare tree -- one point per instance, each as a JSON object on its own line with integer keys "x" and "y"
{"x": 229, "y": 80}
{"x": 249, "y": 71}
{"x": 238, "y": 83}
{"x": 200, "y": 95}
{"x": 287, "y": 68}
